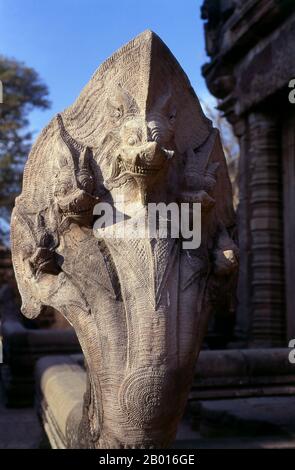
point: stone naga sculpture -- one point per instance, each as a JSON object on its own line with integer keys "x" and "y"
{"x": 139, "y": 306}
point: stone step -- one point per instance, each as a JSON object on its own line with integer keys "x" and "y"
{"x": 260, "y": 422}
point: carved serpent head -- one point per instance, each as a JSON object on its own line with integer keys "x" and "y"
{"x": 142, "y": 144}
{"x": 74, "y": 183}
{"x": 139, "y": 306}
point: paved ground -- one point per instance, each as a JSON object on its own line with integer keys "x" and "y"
{"x": 274, "y": 416}
{"x": 19, "y": 428}
{"x": 241, "y": 423}
{"x": 237, "y": 443}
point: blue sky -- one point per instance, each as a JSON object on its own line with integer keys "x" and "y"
{"x": 66, "y": 40}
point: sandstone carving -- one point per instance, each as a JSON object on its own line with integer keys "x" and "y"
{"x": 139, "y": 306}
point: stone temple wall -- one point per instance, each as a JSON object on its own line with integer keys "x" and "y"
{"x": 251, "y": 49}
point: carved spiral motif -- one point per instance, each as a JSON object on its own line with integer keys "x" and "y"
{"x": 146, "y": 397}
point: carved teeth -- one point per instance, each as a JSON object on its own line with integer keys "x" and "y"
{"x": 77, "y": 212}
{"x": 169, "y": 154}
{"x": 135, "y": 169}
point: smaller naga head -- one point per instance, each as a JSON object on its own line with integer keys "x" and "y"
{"x": 162, "y": 120}
{"x": 43, "y": 259}
{"x": 74, "y": 190}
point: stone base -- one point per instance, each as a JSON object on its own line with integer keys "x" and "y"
{"x": 243, "y": 373}
{"x": 61, "y": 386}
{"x": 24, "y": 342}
{"x": 22, "y": 348}
{"x": 245, "y": 417}
{"x": 242, "y": 423}
{"x": 251, "y": 417}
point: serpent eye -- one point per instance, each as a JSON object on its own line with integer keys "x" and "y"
{"x": 132, "y": 140}
{"x": 86, "y": 183}
{"x": 64, "y": 188}
{"x": 117, "y": 113}
{"x": 172, "y": 117}
{"x": 172, "y": 114}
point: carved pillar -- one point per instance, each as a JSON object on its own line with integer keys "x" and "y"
{"x": 289, "y": 221}
{"x": 243, "y": 321}
{"x": 267, "y": 260}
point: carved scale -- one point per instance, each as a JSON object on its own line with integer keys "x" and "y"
{"x": 139, "y": 306}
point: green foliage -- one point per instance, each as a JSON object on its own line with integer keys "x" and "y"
{"x": 22, "y": 91}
